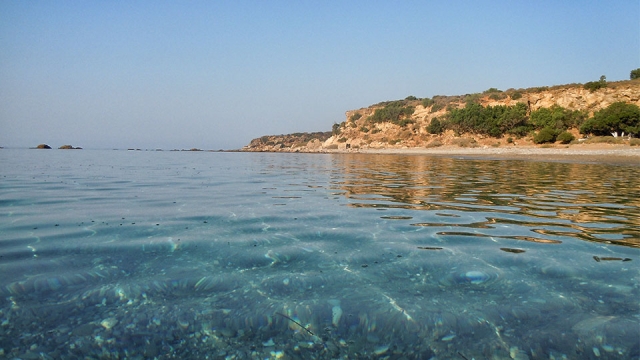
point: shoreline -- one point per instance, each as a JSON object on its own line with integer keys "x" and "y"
{"x": 582, "y": 153}
{"x": 593, "y": 153}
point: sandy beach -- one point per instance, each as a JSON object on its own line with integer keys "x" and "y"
{"x": 595, "y": 153}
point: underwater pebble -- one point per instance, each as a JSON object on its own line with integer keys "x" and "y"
{"x": 596, "y": 351}
{"x": 517, "y": 354}
{"x": 305, "y": 344}
{"x": 268, "y": 343}
{"x": 109, "y": 323}
{"x": 608, "y": 348}
{"x": 277, "y": 354}
{"x": 380, "y": 350}
{"x": 448, "y": 337}
{"x": 336, "y": 313}
{"x": 183, "y": 323}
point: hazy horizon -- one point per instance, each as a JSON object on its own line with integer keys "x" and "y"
{"x": 214, "y": 75}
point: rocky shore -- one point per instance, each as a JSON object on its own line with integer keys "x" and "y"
{"x": 363, "y": 132}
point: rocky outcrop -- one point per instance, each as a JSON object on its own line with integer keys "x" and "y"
{"x": 358, "y": 132}
{"x": 298, "y": 142}
{"x": 43, "y": 146}
{"x": 69, "y": 147}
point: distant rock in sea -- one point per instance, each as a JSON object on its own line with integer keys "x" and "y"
{"x": 43, "y": 146}
{"x": 69, "y": 147}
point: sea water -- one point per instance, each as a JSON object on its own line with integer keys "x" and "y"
{"x": 149, "y": 254}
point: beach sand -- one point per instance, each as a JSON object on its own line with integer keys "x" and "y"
{"x": 583, "y": 153}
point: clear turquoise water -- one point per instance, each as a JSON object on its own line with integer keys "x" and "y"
{"x": 119, "y": 254}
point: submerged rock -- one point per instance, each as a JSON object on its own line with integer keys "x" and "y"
{"x": 470, "y": 278}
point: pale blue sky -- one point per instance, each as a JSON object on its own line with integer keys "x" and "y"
{"x": 215, "y": 74}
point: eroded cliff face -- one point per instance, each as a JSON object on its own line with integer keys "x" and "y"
{"x": 357, "y": 132}
{"x": 307, "y": 142}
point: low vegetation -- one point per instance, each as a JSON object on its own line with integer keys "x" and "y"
{"x": 595, "y": 85}
{"x": 289, "y": 140}
{"x": 617, "y": 119}
{"x": 336, "y": 129}
{"x": 546, "y": 124}
{"x": 519, "y": 116}
{"x": 546, "y": 135}
{"x": 395, "y": 112}
{"x": 565, "y": 137}
{"x": 491, "y": 120}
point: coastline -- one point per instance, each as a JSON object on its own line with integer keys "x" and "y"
{"x": 579, "y": 153}
{"x": 592, "y": 153}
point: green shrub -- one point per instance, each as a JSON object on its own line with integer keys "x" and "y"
{"x": 557, "y": 117}
{"x": 520, "y": 131}
{"x": 435, "y": 127}
{"x": 618, "y": 117}
{"x": 634, "y": 142}
{"x": 342, "y": 140}
{"x": 509, "y": 140}
{"x": 595, "y": 85}
{"x": 565, "y": 137}
{"x": 495, "y": 94}
{"x": 437, "y": 107}
{"x": 492, "y": 120}
{"x": 546, "y": 135}
{"x": 364, "y": 129}
{"x": 516, "y": 95}
{"x": 635, "y": 74}
{"x": 539, "y": 89}
{"x": 404, "y": 122}
{"x": 335, "y": 129}
{"x": 472, "y": 98}
{"x": 411, "y": 98}
{"x": 392, "y": 112}
{"x": 355, "y": 117}
{"x": 491, "y": 90}
{"x": 426, "y": 102}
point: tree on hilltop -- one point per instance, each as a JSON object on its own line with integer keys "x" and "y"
{"x": 595, "y": 85}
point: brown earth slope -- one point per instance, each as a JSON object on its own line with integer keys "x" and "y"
{"x": 357, "y": 133}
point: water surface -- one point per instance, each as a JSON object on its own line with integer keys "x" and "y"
{"x": 238, "y": 255}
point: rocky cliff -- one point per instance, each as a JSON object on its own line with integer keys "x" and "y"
{"x": 358, "y": 131}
